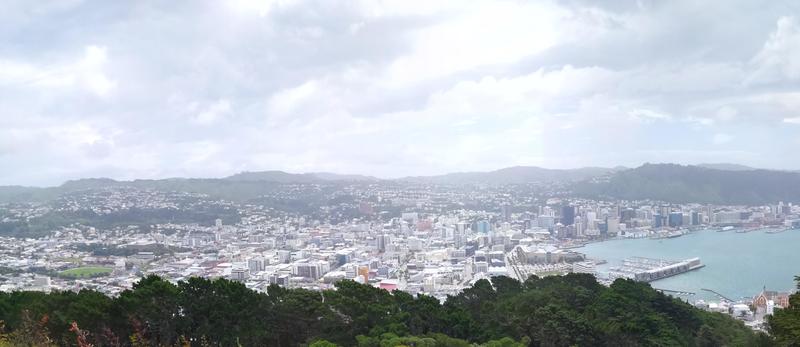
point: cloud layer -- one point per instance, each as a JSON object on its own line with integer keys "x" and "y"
{"x": 392, "y": 88}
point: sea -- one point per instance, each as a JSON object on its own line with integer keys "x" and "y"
{"x": 737, "y": 265}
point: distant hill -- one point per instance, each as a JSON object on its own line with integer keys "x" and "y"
{"x": 89, "y": 183}
{"x": 241, "y": 186}
{"x": 678, "y": 183}
{"x": 726, "y": 166}
{"x": 272, "y": 176}
{"x": 516, "y": 175}
{"x": 339, "y": 177}
{"x": 285, "y": 177}
{"x": 25, "y": 194}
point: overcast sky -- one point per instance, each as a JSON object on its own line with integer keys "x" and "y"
{"x": 137, "y": 89}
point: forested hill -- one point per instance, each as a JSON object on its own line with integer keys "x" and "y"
{"x": 573, "y": 310}
{"x": 677, "y": 183}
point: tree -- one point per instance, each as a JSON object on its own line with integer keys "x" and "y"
{"x": 152, "y": 302}
{"x": 323, "y": 343}
{"x": 223, "y": 311}
{"x": 784, "y": 324}
{"x": 707, "y": 337}
{"x": 31, "y": 332}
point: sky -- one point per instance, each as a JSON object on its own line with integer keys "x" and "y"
{"x": 157, "y": 89}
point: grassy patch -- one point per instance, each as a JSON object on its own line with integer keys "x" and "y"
{"x": 85, "y": 272}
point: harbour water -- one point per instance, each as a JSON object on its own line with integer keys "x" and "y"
{"x": 738, "y": 265}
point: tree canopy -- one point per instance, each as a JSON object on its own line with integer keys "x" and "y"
{"x": 571, "y": 310}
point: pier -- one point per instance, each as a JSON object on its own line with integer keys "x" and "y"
{"x": 648, "y": 269}
{"x": 677, "y": 292}
{"x": 718, "y": 294}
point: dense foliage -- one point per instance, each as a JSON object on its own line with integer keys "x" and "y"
{"x": 573, "y": 310}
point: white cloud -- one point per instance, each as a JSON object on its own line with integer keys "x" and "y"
{"x": 91, "y": 70}
{"x": 259, "y": 8}
{"x": 780, "y": 57}
{"x": 793, "y": 120}
{"x": 86, "y": 73}
{"x": 489, "y": 33}
{"x": 287, "y": 101}
{"x": 214, "y": 113}
{"x": 726, "y": 113}
{"x": 648, "y": 116}
{"x": 721, "y": 139}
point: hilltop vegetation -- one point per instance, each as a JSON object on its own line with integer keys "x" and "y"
{"x": 573, "y": 310}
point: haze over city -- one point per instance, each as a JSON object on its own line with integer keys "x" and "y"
{"x": 392, "y": 88}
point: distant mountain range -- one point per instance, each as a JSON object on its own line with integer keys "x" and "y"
{"x": 703, "y": 183}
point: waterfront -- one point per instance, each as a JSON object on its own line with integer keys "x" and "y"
{"x": 737, "y": 264}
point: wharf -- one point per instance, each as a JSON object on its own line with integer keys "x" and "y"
{"x": 648, "y": 269}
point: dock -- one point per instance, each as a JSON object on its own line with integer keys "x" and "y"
{"x": 648, "y": 269}
{"x": 718, "y": 294}
{"x": 677, "y": 292}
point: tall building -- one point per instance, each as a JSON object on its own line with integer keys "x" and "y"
{"x": 255, "y": 265}
{"x": 383, "y": 240}
{"x": 695, "y": 218}
{"x": 579, "y": 227}
{"x": 505, "y": 212}
{"x": 546, "y": 222}
{"x": 568, "y": 215}
{"x": 675, "y": 219}
{"x": 612, "y": 226}
{"x": 591, "y": 220}
{"x": 459, "y": 236}
{"x": 239, "y": 274}
{"x": 482, "y": 226}
{"x": 627, "y": 214}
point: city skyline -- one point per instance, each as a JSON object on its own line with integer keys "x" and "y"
{"x": 392, "y": 89}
